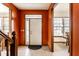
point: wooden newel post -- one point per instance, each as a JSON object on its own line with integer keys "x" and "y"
{"x": 13, "y": 46}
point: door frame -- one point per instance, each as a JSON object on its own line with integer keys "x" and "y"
{"x": 71, "y": 29}
{"x": 29, "y": 29}
{"x": 26, "y": 32}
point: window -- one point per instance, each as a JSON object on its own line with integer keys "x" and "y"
{"x": 66, "y": 25}
{"x": 0, "y": 23}
{"x": 4, "y": 24}
{"x": 58, "y": 27}
{"x": 4, "y": 18}
{"x": 61, "y": 25}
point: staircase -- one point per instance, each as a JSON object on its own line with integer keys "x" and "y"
{"x": 10, "y": 46}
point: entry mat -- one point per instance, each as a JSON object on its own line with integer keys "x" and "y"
{"x": 34, "y": 47}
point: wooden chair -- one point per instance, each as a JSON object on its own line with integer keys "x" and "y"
{"x": 67, "y": 38}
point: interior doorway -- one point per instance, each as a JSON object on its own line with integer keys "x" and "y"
{"x": 33, "y": 31}
{"x": 61, "y": 24}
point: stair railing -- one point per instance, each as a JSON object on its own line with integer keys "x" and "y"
{"x": 9, "y": 43}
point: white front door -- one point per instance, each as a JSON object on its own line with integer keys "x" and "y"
{"x": 36, "y": 31}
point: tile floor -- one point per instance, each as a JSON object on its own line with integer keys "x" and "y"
{"x": 44, "y": 51}
{"x": 60, "y": 49}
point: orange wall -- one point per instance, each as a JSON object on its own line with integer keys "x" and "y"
{"x": 15, "y": 16}
{"x": 75, "y": 28}
{"x": 47, "y": 29}
{"x": 44, "y": 14}
{"x": 50, "y": 27}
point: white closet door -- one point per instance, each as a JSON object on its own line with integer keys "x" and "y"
{"x": 35, "y": 32}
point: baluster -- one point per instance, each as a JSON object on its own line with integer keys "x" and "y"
{"x": 7, "y": 50}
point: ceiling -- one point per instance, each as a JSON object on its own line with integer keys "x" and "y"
{"x": 61, "y": 10}
{"x": 4, "y": 11}
{"x": 32, "y": 6}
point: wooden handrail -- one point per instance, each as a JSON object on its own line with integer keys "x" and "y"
{"x": 10, "y": 47}
{"x": 6, "y": 36}
{"x": 8, "y": 41}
